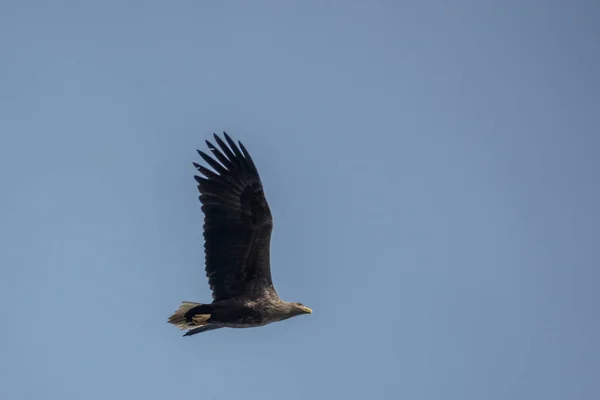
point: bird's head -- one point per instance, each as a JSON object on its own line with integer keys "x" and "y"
{"x": 284, "y": 310}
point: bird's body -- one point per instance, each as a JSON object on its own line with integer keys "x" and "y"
{"x": 237, "y": 234}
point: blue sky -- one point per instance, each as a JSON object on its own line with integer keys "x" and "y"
{"x": 432, "y": 168}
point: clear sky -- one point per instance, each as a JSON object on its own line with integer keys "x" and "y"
{"x": 432, "y": 168}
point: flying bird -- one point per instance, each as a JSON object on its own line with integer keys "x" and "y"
{"x": 237, "y": 239}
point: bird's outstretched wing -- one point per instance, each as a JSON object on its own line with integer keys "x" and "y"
{"x": 237, "y": 223}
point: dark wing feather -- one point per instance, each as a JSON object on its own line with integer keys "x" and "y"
{"x": 237, "y": 223}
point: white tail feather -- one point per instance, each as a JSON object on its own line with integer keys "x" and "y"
{"x": 178, "y": 318}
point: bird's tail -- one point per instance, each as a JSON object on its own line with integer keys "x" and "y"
{"x": 184, "y": 319}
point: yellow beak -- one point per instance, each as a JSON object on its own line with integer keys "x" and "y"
{"x": 306, "y": 309}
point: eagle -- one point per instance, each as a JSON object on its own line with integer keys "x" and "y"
{"x": 237, "y": 239}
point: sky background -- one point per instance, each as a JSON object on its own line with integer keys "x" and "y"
{"x": 432, "y": 168}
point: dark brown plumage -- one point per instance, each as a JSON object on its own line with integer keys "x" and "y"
{"x": 237, "y": 235}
